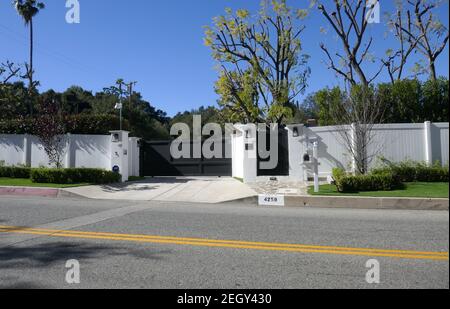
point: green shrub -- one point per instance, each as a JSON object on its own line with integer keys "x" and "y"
{"x": 74, "y": 176}
{"x": 75, "y": 124}
{"x": 338, "y": 173}
{"x": 380, "y": 182}
{"x": 15, "y": 172}
{"x": 415, "y": 172}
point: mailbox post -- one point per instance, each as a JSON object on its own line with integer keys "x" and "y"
{"x": 316, "y": 166}
{"x": 119, "y": 153}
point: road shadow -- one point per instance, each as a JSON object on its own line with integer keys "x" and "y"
{"x": 49, "y": 254}
{"x": 56, "y": 254}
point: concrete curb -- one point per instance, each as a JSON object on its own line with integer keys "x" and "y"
{"x": 38, "y": 192}
{"x": 368, "y": 202}
{"x": 252, "y": 200}
{"x": 28, "y": 191}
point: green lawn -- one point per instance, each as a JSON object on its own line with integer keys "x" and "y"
{"x": 19, "y": 182}
{"x": 416, "y": 189}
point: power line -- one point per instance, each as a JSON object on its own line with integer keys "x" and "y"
{"x": 52, "y": 54}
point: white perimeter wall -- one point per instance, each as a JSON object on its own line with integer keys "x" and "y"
{"x": 422, "y": 142}
{"x": 88, "y": 151}
{"x": 395, "y": 142}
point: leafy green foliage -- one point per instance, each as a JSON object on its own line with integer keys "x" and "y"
{"x": 372, "y": 182}
{"x": 262, "y": 66}
{"x": 28, "y": 8}
{"x": 83, "y": 112}
{"x": 405, "y": 101}
{"x": 60, "y": 176}
{"x": 15, "y": 172}
{"x": 75, "y": 124}
{"x": 208, "y": 115}
{"x": 390, "y": 176}
{"x": 414, "y": 101}
{"x": 74, "y": 176}
{"x": 410, "y": 171}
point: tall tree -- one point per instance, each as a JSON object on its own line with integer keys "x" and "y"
{"x": 260, "y": 52}
{"x": 28, "y": 9}
{"x": 349, "y": 20}
{"x": 423, "y": 30}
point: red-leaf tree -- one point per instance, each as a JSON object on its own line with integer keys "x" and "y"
{"x": 51, "y": 129}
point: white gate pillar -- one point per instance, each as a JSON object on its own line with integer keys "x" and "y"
{"x": 296, "y": 151}
{"x": 244, "y": 152}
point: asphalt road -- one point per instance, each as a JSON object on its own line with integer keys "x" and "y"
{"x": 217, "y": 246}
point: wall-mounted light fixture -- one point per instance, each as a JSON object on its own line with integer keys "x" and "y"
{"x": 247, "y": 134}
{"x": 307, "y": 158}
{"x": 295, "y": 132}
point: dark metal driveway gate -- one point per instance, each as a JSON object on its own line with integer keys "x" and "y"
{"x": 156, "y": 160}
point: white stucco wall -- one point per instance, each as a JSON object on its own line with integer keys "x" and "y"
{"x": 91, "y": 151}
{"x": 12, "y": 149}
{"x": 82, "y": 151}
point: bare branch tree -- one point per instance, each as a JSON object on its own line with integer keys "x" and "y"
{"x": 361, "y": 108}
{"x": 349, "y": 21}
{"x": 423, "y": 30}
{"x": 8, "y": 71}
{"x": 397, "y": 59}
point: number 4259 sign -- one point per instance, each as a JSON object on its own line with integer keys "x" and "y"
{"x": 271, "y": 200}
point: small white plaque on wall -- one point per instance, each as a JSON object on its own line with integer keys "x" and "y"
{"x": 271, "y": 200}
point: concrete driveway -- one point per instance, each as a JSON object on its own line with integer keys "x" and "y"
{"x": 171, "y": 189}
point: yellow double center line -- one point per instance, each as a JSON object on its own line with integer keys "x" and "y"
{"x": 404, "y": 254}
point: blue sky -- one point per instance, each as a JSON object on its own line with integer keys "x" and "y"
{"x": 157, "y": 43}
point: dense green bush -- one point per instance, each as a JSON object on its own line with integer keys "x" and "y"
{"x": 380, "y": 182}
{"x": 15, "y": 172}
{"x": 338, "y": 173}
{"x": 94, "y": 124}
{"x": 75, "y": 124}
{"x": 415, "y": 171}
{"x": 74, "y": 176}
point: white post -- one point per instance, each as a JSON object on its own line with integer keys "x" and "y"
{"x": 428, "y": 143}
{"x": 354, "y": 147}
{"x": 25, "y": 150}
{"x": 69, "y": 150}
{"x": 316, "y": 166}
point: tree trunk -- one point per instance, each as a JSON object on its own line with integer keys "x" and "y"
{"x": 30, "y": 73}
{"x": 433, "y": 74}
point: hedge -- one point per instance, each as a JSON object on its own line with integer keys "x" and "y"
{"x": 379, "y": 182}
{"x": 386, "y": 182}
{"x": 74, "y": 176}
{"x": 415, "y": 172}
{"x": 75, "y": 124}
{"x": 15, "y": 172}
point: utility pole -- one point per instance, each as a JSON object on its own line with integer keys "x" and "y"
{"x": 130, "y": 98}
{"x": 119, "y": 106}
{"x": 130, "y": 91}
